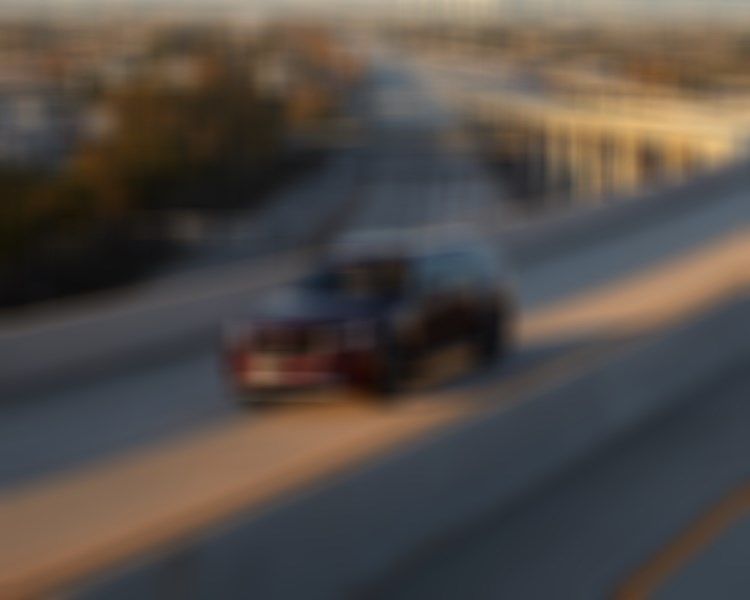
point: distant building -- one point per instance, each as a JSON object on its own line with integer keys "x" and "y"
{"x": 38, "y": 124}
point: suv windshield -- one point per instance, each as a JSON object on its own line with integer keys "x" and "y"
{"x": 362, "y": 279}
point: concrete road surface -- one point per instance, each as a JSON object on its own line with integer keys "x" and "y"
{"x": 646, "y": 519}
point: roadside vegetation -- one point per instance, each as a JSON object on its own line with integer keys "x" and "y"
{"x": 201, "y": 123}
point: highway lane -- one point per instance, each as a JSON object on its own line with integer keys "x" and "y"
{"x": 594, "y": 532}
{"x": 420, "y": 182}
{"x": 624, "y": 252}
{"x": 411, "y": 177}
{"x": 427, "y": 186}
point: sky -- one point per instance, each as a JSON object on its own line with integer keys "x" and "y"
{"x": 648, "y": 8}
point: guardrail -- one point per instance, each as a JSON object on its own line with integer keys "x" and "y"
{"x": 339, "y": 538}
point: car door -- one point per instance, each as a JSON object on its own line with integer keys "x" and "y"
{"x": 465, "y": 284}
{"x": 443, "y": 299}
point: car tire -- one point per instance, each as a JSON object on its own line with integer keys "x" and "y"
{"x": 491, "y": 340}
{"x": 389, "y": 374}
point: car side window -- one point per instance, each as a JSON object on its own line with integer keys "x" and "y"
{"x": 468, "y": 273}
{"x": 428, "y": 276}
{"x": 450, "y": 272}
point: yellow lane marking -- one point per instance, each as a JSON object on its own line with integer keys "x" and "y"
{"x": 63, "y": 529}
{"x": 647, "y": 579}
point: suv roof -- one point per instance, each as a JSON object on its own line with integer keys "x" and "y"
{"x": 405, "y": 242}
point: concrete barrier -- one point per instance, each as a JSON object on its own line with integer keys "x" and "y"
{"x": 338, "y": 539}
{"x": 577, "y": 227}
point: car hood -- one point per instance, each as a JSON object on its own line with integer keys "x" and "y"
{"x": 311, "y": 306}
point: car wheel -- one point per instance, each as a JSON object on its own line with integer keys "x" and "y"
{"x": 491, "y": 340}
{"x": 389, "y": 375}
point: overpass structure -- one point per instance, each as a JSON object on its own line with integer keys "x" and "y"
{"x": 601, "y": 151}
{"x": 146, "y": 482}
{"x": 584, "y": 135}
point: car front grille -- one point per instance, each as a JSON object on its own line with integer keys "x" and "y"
{"x": 295, "y": 340}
